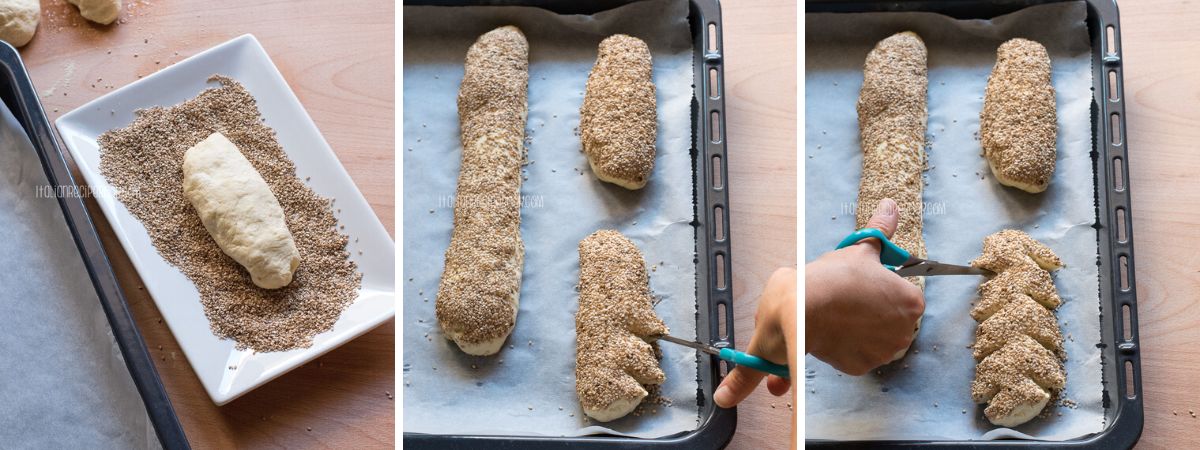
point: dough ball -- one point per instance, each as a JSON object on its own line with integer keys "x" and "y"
{"x": 18, "y": 21}
{"x": 102, "y": 12}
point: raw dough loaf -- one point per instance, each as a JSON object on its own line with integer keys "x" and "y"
{"x": 1015, "y": 381}
{"x": 618, "y": 122}
{"x": 1018, "y": 343}
{"x": 891, "y": 120}
{"x": 239, "y": 211}
{"x": 102, "y": 12}
{"x": 18, "y": 21}
{"x": 1018, "y": 126}
{"x": 481, "y": 281}
{"x": 613, "y": 327}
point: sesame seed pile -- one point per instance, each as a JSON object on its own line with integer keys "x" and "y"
{"x": 143, "y": 161}
{"x": 478, "y": 295}
{"x": 891, "y": 120}
{"x": 618, "y": 122}
{"x": 1018, "y": 343}
{"x": 615, "y": 319}
{"x": 1018, "y": 126}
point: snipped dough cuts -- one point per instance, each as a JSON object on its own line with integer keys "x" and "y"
{"x": 1018, "y": 343}
{"x": 614, "y": 325}
{"x": 240, "y": 212}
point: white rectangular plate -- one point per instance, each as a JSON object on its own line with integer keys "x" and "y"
{"x": 244, "y": 60}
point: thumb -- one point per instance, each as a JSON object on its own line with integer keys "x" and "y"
{"x": 885, "y": 218}
{"x": 736, "y": 386}
{"x": 742, "y": 380}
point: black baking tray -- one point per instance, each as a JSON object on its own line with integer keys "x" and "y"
{"x": 18, "y": 93}
{"x": 714, "y": 290}
{"x": 1122, "y": 373}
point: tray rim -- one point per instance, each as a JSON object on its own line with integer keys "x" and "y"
{"x": 1124, "y": 428}
{"x": 717, "y": 424}
{"x": 136, "y": 356}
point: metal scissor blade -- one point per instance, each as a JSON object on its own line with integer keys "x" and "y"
{"x": 931, "y": 268}
{"x": 695, "y": 345}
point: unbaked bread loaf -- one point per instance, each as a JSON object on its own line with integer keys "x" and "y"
{"x": 239, "y": 210}
{"x": 613, "y": 327}
{"x": 891, "y": 120}
{"x": 618, "y": 122}
{"x": 1018, "y": 343}
{"x": 477, "y": 299}
{"x": 1018, "y": 126}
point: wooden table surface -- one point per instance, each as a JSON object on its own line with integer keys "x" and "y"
{"x": 1162, "y": 93}
{"x": 339, "y": 59}
{"x": 760, "y": 102}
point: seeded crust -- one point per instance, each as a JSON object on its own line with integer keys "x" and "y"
{"x": 1016, "y": 381}
{"x": 891, "y": 119}
{"x": 618, "y": 122}
{"x": 1021, "y": 316}
{"x": 613, "y": 327}
{"x": 478, "y": 296}
{"x": 1018, "y": 343}
{"x": 997, "y": 292}
{"x": 1022, "y": 265}
{"x": 1019, "y": 125}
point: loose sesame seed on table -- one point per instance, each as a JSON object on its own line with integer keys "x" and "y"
{"x": 338, "y": 57}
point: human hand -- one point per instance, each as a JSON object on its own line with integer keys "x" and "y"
{"x": 858, "y": 314}
{"x": 774, "y": 339}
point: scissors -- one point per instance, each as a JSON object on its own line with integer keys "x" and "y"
{"x": 734, "y": 356}
{"x": 904, "y": 264}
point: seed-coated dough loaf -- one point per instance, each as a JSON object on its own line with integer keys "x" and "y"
{"x": 239, "y": 210}
{"x": 1018, "y": 126}
{"x": 1018, "y": 343}
{"x": 891, "y": 120}
{"x": 477, "y": 299}
{"x": 615, "y": 322}
{"x": 618, "y": 122}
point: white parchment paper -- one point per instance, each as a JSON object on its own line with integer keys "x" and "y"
{"x": 529, "y": 387}
{"x": 926, "y": 395}
{"x": 63, "y": 382}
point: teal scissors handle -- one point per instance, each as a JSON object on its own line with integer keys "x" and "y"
{"x": 890, "y": 254}
{"x": 754, "y": 362}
